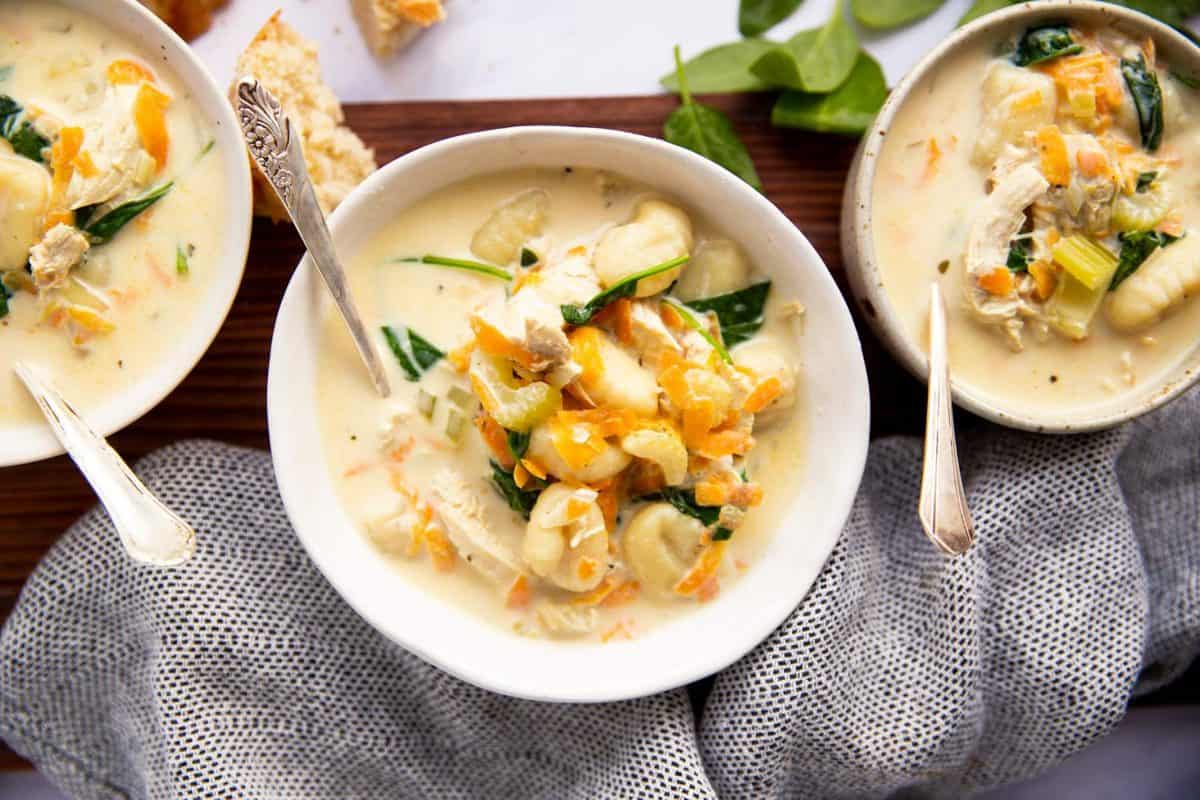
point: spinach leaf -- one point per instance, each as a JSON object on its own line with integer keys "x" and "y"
{"x": 415, "y": 354}
{"x": 758, "y": 16}
{"x": 1147, "y": 98}
{"x": 981, "y": 7}
{"x": 1190, "y": 81}
{"x": 626, "y": 287}
{"x": 817, "y": 60}
{"x": 740, "y": 313}
{"x": 706, "y": 131}
{"x": 25, "y": 140}
{"x": 1135, "y": 249}
{"x": 1043, "y": 44}
{"x": 684, "y": 501}
{"x": 886, "y": 14}
{"x": 104, "y": 229}
{"x": 457, "y": 263}
{"x": 518, "y": 444}
{"x": 1019, "y": 255}
{"x": 4, "y": 295}
{"x": 518, "y": 499}
{"x": 724, "y": 68}
{"x": 1145, "y": 181}
{"x": 84, "y": 214}
{"x": 690, "y": 320}
{"x": 848, "y": 110}
{"x": 528, "y": 257}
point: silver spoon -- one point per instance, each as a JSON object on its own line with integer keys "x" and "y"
{"x": 277, "y": 153}
{"x": 150, "y": 531}
{"x": 943, "y": 506}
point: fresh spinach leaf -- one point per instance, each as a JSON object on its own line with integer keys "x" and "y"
{"x": 848, "y": 110}
{"x": 740, "y": 313}
{"x": 886, "y": 14}
{"x": 1135, "y": 249}
{"x": 1147, "y": 98}
{"x": 4, "y": 295}
{"x": 981, "y": 7}
{"x": 1145, "y": 181}
{"x": 724, "y": 68}
{"x": 518, "y": 444}
{"x": 1019, "y": 255}
{"x": 626, "y": 287}
{"x": 528, "y": 257}
{"x": 817, "y": 60}
{"x": 518, "y": 499}
{"x": 104, "y": 229}
{"x": 759, "y": 16}
{"x": 706, "y": 131}
{"x": 415, "y": 354}
{"x": 1043, "y": 44}
{"x": 25, "y": 140}
{"x": 458, "y": 263}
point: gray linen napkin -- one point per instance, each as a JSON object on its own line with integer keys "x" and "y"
{"x": 243, "y": 675}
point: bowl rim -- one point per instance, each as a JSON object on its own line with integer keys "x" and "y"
{"x": 859, "y": 206}
{"x": 33, "y": 442}
{"x": 739, "y": 636}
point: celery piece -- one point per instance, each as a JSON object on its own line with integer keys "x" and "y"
{"x": 1073, "y": 305}
{"x": 426, "y": 403}
{"x": 456, "y": 423}
{"x": 515, "y": 406}
{"x": 1086, "y": 260}
{"x": 1141, "y": 211}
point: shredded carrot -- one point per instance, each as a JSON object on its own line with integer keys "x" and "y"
{"x": 1044, "y": 277}
{"x": 490, "y": 340}
{"x": 934, "y": 155}
{"x": 708, "y": 590}
{"x": 725, "y": 443}
{"x": 998, "y": 282}
{"x": 83, "y": 162}
{"x": 156, "y": 269}
{"x": 712, "y": 492}
{"x": 576, "y": 508}
{"x": 598, "y": 595}
{"x": 623, "y": 311}
{"x": 520, "y": 476}
{"x": 519, "y": 594}
{"x": 1092, "y": 163}
{"x": 670, "y": 316}
{"x": 460, "y": 357}
{"x": 1052, "y": 236}
{"x": 1028, "y": 102}
{"x": 585, "y": 350}
{"x": 577, "y": 250}
{"x": 705, "y": 567}
{"x": 586, "y": 568}
{"x": 496, "y": 440}
{"x": 357, "y": 469}
{"x": 1053, "y": 147}
{"x": 62, "y": 166}
{"x": 125, "y": 71}
{"x": 440, "y": 550}
{"x": 763, "y": 395}
{"x": 616, "y": 630}
{"x": 608, "y": 497}
{"x": 535, "y": 469}
{"x": 622, "y": 594}
{"x": 150, "y": 119}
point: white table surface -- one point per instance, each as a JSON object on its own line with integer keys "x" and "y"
{"x": 489, "y": 49}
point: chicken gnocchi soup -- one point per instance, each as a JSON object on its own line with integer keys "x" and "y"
{"x": 109, "y": 200}
{"x": 1050, "y": 183}
{"x": 595, "y": 415}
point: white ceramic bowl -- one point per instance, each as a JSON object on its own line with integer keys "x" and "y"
{"x": 834, "y": 385}
{"x": 24, "y": 444}
{"x": 858, "y": 245}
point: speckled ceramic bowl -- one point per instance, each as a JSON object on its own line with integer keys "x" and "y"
{"x": 862, "y": 261}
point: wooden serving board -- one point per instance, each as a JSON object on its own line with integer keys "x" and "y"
{"x": 225, "y": 396}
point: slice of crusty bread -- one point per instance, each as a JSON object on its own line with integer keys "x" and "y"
{"x": 286, "y": 63}
{"x": 189, "y": 18}
{"x": 389, "y": 25}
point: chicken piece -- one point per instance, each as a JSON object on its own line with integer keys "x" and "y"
{"x": 651, "y": 339}
{"x": 460, "y": 506}
{"x": 52, "y": 259}
{"x": 530, "y": 323}
{"x": 569, "y": 280}
{"x": 1086, "y": 203}
{"x": 115, "y": 150}
{"x": 1000, "y": 218}
{"x": 24, "y": 193}
{"x": 1015, "y": 100}
{"x": 658, "y": 233}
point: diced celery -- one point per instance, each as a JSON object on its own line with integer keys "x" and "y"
{"x": 426, "y": 403}
{"x": 515, "y": 406}
{"x": 455, "y": 424}
{"x": 461, "y": 398}
{"x": 1089, "y": 262}
{"x": 1073, "y": 306}
{"x": 1141, "y": 211}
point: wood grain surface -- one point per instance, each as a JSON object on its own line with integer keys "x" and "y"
{"x": 225, "y": 396}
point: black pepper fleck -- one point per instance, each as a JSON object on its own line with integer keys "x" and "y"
{"x": 1054, "y": 379}
{"x": 944, "y": 266}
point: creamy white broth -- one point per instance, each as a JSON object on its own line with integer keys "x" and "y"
{"x": 58, "y": 58}
{"x": 922, "y": 219}
{"x": 435, "y": 302}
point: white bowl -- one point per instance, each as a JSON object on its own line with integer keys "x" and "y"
{"x": 858, "y": 244}
{"x": 33, "y": 442}
{"x": 701, "y": 642}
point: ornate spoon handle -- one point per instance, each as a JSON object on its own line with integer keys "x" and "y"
{"x": 943, "y": 507}
{"x": 150, "y": 531}
{"x": 278, "y": 155}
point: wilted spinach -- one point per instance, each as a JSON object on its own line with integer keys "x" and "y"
{"x": 1147, "y": 98}
{"x": 20, "y": 133}
{"x": 415, "y": 354}
{"x": 626, "y": 287}
{"x": 104, "y": 229}
{"x": 1135, "y": 249}
{"x": 520, "y": 500}
{"x": 740, "y": 313}
{"x": 1043, "y": 44}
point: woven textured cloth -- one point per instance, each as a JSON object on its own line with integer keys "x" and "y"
{"x": 243, "y": 675}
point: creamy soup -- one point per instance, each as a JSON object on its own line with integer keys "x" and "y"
{"x": 581, "y": 479}
{"x": 1050, "y": 182}
{"x": 110, "y": 202}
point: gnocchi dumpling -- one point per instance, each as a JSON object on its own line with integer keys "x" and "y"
{"x": 510, "y": 226}
{"x": 1015, "y": 100}
{"x": 766, "y": 357}
{"x": 658, "y": 233}
{"x": 661, "y": 545}
{"x": 24, "y": 190}
{"x": 610, "y": 376}
{"x": 660, "y": 444}
{"x": 718, "y": 267}
{"x": 566, "y": 540}
{"x": 1163, "y": 282}
{"x": 601, "y": 460}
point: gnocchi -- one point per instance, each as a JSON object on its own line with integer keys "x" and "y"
{"x": 661, "y": 545}
{"x": 602, "y": 461}
{"x": 566, "y": 540}
{"x": 718, "y": 267}
{"x": 658, "y": 233}
{"x": 610, "y": 376}
{"x": 510, "y": 226}
{"x": 24, "y": 192}
{"x": 1160, "y": 285}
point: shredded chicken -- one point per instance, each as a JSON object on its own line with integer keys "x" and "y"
{"x": 52, "y": 259}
